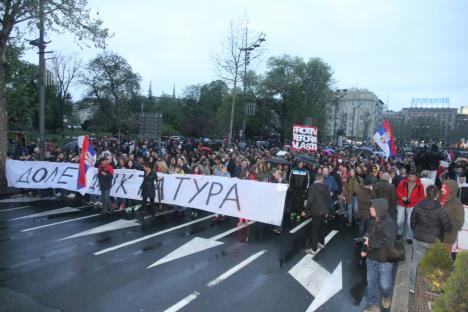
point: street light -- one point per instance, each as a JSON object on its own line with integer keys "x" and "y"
{"x": 247, "y": 49}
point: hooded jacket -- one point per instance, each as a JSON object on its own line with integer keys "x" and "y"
{"x": 381, "y": 231}
{"x": 384, "y": 189}
{"x": 429, "y": 221}
{"x": 455, "y": 211}
{"x": 317, "y": 199}
{"x": 364, "y": 197}
{"x": 416, "y": 195}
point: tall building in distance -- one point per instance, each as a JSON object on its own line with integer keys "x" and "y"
{"x": 440, "y": 121}
{"x": 356, "y": 113}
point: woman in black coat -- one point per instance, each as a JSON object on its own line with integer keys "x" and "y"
{"x": 147, "y": 189}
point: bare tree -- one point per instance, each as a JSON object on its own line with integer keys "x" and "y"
{"x": 66, "y": 69}
{"x": 231, "y": 61}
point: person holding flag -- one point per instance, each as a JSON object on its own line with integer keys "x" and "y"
{"x": 87, "y": 160}
{"x": 385, "y": 139}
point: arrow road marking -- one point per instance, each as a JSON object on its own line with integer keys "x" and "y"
{"x": 61, "y": 222}
{"x": 48, "y": 213}
{"x": 235, "y": 269}
{"x": 182, "y": 303}
{"x": 319, "y": 282}
{"x": 197, "y": 244}
{"x": 300, "y": 226}
{"x": 103, "y": 251}
{"x": 112, "y": 226}
{"x": 11, "y": 209}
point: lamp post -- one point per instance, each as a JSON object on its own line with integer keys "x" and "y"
{"x": 247, "y": 49}
{"x": 41, "y": 44}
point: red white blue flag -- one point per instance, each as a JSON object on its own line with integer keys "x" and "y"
{"x": 87, "y": 160}
{"x": 385, "y": 139}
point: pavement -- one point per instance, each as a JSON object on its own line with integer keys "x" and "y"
{"x": 60, "y": 256}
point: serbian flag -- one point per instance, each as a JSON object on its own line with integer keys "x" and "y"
{"x": 87, "y": 160}
{"x": 385, "y": 139}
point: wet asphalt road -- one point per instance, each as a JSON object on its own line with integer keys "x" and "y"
{"x": 41, "y": 271}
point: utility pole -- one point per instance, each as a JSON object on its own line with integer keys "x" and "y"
{"x": 247, "y": 49}
{"x": 41, "y": 46}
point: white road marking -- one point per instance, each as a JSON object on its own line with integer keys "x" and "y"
{"x": 112, "y": 226}
{"x": 50, "y": 212}
{"x": 21, "y": 200}
{"x": 16, "y": 208}
{"x": 57, "y": 223}
{"x": 235, "y": 269}
{"x": 103, "y": 251}
{"x": 300, "y": 226}
{"x": 182, "y": 303}
{"x": 198, "y": 244}
{"x": 319, "y": 282}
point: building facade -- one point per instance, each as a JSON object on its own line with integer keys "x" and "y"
{"x": 439, "y": 121}
{"x": 356, "y": 113}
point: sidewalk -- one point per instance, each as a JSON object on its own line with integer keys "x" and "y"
{"x": 401, "y": 295}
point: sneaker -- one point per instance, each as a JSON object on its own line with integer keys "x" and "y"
{"x": 310, "y": 251}
{"x": 411, "y": 291}
{"x": 386, "y": 302}
{"x": 409, "y": 241}
{"x": 320, "y": 246}
{"x": 277, "y": 230}
{"x": 372, "y": 308}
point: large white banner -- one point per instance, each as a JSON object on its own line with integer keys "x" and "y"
{"x": 258, "y": 201}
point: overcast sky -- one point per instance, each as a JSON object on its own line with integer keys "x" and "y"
{"x": 398, "y": 49}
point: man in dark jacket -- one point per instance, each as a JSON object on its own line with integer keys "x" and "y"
{"x": 105, "y": 176}
{"x": 148, "y": 192}
{"x": 317, "y": 208}
{"x": 299, "y": 181}
{"x": 364, "y": 193}
{"x": 429, "y": 222}
{"x": 380, "y": 235}
{"x": 385, "y": 189}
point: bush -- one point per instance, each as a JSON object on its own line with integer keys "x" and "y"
{"x": 455, "y": 289}
{"x": 436, "y": 266}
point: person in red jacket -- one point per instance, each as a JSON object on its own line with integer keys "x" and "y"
{"x": 410, "y": 192}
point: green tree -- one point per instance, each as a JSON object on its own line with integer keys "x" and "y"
{"x": 110, "y": 80}
{"x": 293, "y": 89}
{"x": 18, "y": 17}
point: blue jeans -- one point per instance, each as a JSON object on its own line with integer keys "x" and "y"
{"x": 379, "y": 281}
{"x": 351, "y": 209}
{"x": 419, "y": 250}
{"x": 404, "y": 215}
{"x": 362, "y": 226}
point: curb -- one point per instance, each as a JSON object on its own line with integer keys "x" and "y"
{"x": 402, "y": 280}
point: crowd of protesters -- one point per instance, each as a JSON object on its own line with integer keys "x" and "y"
{"x": 415, "y": 198}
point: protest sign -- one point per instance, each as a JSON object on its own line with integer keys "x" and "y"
{"x": 258, "y": 201}
{"x": 304, "y": 138}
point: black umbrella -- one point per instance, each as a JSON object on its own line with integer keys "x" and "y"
{"x": 307, "y": 159}
{"x": 278, "y": 161}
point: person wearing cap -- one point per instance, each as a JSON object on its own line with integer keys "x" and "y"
{"x": 410, "y": 192}
{"x": 380, "y": 235}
